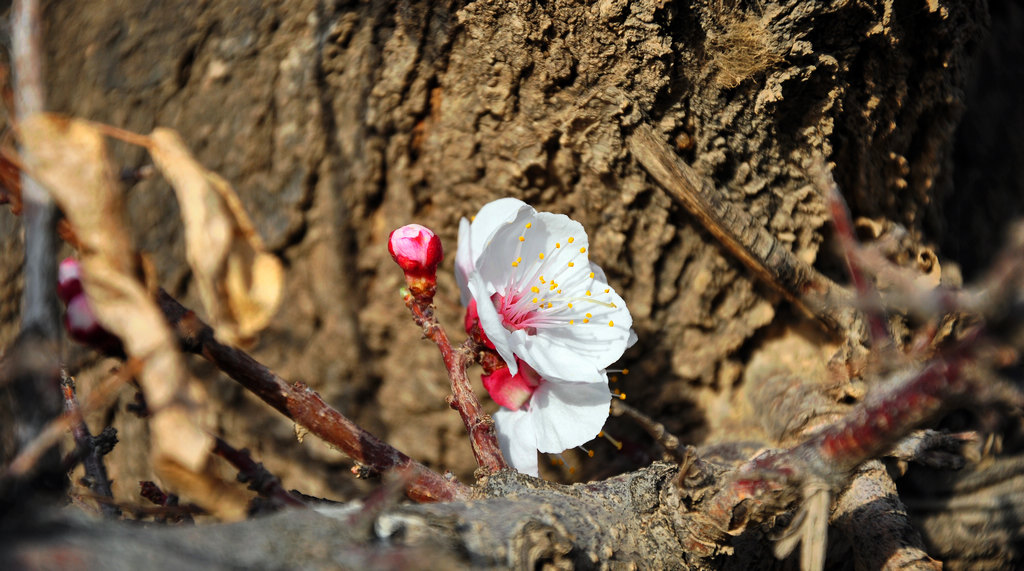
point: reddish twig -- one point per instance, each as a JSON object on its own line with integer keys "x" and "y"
{"x": 877, "y": 329}
{"x": 463, "y": 399}
{"x": 253, "y": 473}
{"x": 306, "y": 408}
{"x": 885, "y": 418}
{"x": 170, "y": 509}
{"x": 88, "y": 450}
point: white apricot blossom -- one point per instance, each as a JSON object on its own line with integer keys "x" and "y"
{"x": 540, "y": 415}
{"x": 538, "y": 296}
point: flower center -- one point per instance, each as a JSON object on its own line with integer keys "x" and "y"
{"x": 531, "y": 301}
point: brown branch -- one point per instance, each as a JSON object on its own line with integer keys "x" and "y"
{"x": 306, "y": 408}
{"x": 740, "y": 234}
{"x": 668, "y": 441}
{"x": 87, "y": 448}
{"x": 259, "y": 479}
{"x": 463, "y": 399}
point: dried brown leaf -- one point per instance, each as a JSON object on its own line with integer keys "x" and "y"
{"x": 69, "y": 158}
{"x": 239, "y": 282}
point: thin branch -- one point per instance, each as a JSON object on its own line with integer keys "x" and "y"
{"x": 39, "y": 301}
{"x": 306, "y": 408}
{"x": 463, "y": 399}
{"x": 259, "y": 479}
{"x": 91, "y": 454}
{"x": 657, "y": 430}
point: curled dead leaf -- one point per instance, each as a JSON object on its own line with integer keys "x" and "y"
{"x": 239, "y": 282}
{"x": 69, "y": 157}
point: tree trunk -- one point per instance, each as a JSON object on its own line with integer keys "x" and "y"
{"x": 340, "y": 121}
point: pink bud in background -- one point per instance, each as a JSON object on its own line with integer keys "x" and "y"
{"x": 417, "y": 250}
{"x": 80, "y": 320}
{"x": 69, "y": 279}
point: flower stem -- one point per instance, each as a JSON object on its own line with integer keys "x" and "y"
{"x": 479, "y": 425}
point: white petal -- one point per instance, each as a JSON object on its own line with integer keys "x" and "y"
{"x": 490, "y": 321}
{"x": 464, "y": 263}
{"x": 492, "y": 216}
{"x": 566, "y": 415}
{"x": 517, "y": 439}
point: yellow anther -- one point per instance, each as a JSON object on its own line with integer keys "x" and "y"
{"x": 600, "y": 434}
{"x": 553, "y": 286}
{"x": 541, "y": 255}
{"x": 607, "y": 290}
{"x": 570, "y": 306}
{"x": 591, "y": 275}
{"x": 583, "y": 250}
{"x": 529, "y": 224}
{"x": 558, "y": 245}
{"x": 572, "y": 469}
{"x": 519, "y": 259}
{"x": 586, "y": 321}
{"x": 625, "y": 371}
{"x": 549, "y": 305}
{"x": 590, "y": 453}
{"x": 589, "y": 315}
{"x": 558, "y": 291}
{"x": 535, "y": 289}
{"x": 571, "y": 264}
{"x": 611, "y": 324}
{"x": 571, "y": 240}
{"x": 622, "y": 396}
{"x": 588, "y": 292}
{"x": 542, "y": 280}
{"x": 472, "y": 218}
{"x": 572, "y": 321}
{"x": 522, "y": 238}
{"x": 534, "y": 300}
{"x": 515, "y": 264}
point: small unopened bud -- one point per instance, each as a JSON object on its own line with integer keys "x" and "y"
{"x": 69, "y": 279}
{"x": 417, "y": 250}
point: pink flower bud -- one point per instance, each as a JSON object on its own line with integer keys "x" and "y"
{"x": 416, "y": 249}
{"x": 512, "y": 391}
{"x": 69, "y": 279}
{"x": 80, "y": 320}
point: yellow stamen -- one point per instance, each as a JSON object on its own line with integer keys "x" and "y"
{"x": 583, "y": 250}
{"x": 571, "y": 264}
{"x": 591, "y": 275}
{"x": 541, "y": 255}
{"x": 529, "y": 224}
{"x": 611, "y": 324}
{"x": 519, "y": 259}
{"x": 515, "y": 264}
{"x": 534, "y": 300}
{"x": 586, "y": 321}
{"x": 542, "y": 280}
{"x": 522, "y": 238}
{"x": 607, "y": 290}
{"x": 625, "y": 371}
{"x": 558, "y": 245}
{"x": 588, "y": 292}
{"x": 571, "y": 240}
{"x": 589, "y": 315}
{"x": 535, "y": 289}
{"x": 572, "y": 321}
{"x": 570, "y": 306}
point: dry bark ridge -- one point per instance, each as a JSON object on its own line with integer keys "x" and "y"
{"x": 342, "y": 121}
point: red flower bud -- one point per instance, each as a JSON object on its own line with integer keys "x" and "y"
{"x": 512, "y": 391}
{"x": 69, "y": 279}
{"x": 417, "y": 250}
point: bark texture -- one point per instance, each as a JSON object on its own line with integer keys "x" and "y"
{"x": 339, "y": 121}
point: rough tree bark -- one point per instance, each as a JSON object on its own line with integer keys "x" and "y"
{"x": 339, "y": 121}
